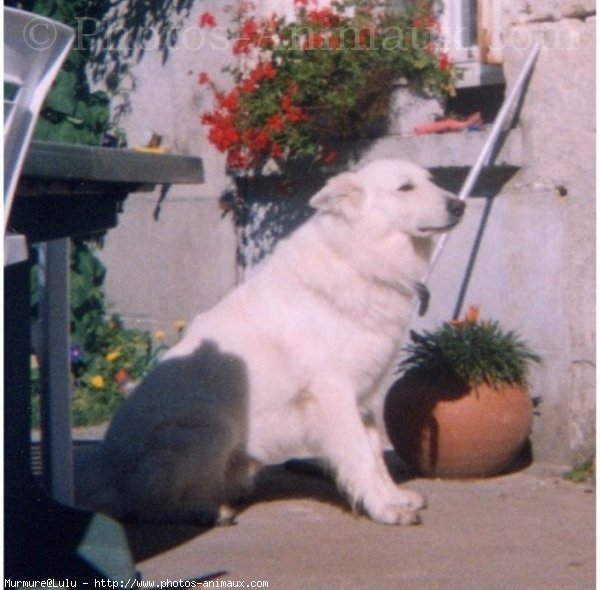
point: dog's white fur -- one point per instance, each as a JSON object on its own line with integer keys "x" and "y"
{"x": 286, "y": 364}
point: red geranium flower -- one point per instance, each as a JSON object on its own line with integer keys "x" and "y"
{"x": 330, "y": 157}
{"x": 208, "y": 20}
{"x": 275, "y": 123}
{"x": 236, "y": 159}
{"x": 334, "y": 42}
{"x": 229, "y": 101}
{"x": 443, "y": 61}
{"x": 324, "y": 17}
{"x": 267, "y": 112}
{"x": 248, "y": 35}
{"x": 425, "y": 22}
{"x": 313, "y": 41}
{"x": 276, "y": 151}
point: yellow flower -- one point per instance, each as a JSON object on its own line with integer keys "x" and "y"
{"x": 180, "y": 325}
{"x": 159, "y": 335}
{"x": 111, "y": 357}
{"x": 97, "y": 381}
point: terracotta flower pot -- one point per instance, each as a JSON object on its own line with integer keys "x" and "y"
{"x": 443, "y": 428}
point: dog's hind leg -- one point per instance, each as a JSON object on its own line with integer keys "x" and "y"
{"x": 351, "y": 450}
{"x": 238, "y": 474}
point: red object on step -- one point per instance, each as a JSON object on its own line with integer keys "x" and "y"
{"x": 449, "y": 125}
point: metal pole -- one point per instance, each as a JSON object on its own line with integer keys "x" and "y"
{"x": 57, "y": 450}
{"x": 486, "y": 151}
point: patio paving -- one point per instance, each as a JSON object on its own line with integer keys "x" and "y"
{"x": 528, "y": 530}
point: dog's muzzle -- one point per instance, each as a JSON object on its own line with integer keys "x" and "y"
{"x": 455, "y": 208}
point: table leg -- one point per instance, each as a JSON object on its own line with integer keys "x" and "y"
{"x": 57, "y": 449}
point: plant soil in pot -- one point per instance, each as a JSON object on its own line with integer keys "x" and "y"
{"x": 462, "y": 408}
{"x": 442, "y": 427}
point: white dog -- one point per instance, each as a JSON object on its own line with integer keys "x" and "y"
{"x": 286, "y": 364}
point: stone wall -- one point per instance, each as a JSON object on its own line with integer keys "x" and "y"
{"x": 557, "y": 186}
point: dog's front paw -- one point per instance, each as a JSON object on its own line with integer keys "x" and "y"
{"x": 403, "y": 508}
{"x": 395, "y": 514}
{"x": 411, "y": 500}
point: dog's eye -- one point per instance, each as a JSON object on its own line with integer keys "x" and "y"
{"x": 407, "y": 186}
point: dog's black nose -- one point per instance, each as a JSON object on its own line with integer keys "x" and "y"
{"x": 455, "y": 207}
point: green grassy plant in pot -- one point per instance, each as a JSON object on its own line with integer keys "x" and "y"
{"x": 462, "y": 407}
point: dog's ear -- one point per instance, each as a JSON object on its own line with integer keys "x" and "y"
{"x": 339, "y": 196}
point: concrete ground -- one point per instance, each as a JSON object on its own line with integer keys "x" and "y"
{"x": 528, "y": 530}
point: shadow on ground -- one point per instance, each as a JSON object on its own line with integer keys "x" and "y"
{"x": 293, "y": 480}
{"x": 296, "y": 479}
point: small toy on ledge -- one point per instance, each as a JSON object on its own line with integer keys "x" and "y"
{"x": 447, "y": 125}
{"x": 151, "y": 143}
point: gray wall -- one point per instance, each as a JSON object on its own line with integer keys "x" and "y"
{"x": 163, "y": 271}
{"x": 535, "y": 268}
{"x": 555, "y": 195}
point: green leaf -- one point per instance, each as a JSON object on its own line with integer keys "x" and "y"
{"x": 62, "y": 96}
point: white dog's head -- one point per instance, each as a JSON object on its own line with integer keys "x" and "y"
{"x": 394, "y": 195}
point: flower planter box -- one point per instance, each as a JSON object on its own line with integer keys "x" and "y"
{"x": 267, "y": 208}
{"x": 409, "y": 108}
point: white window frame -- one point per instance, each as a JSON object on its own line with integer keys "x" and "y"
{"x": 481, "y": 62}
